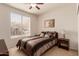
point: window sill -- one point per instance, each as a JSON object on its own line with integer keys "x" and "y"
{"x": 18, "y": 36}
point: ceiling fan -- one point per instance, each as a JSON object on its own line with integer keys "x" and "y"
{"x": 35, "y": 5}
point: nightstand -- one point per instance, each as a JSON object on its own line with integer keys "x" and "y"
{"x": 63, "y": 43}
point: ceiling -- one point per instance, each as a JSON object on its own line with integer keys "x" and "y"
{"x": 43, "y": 8}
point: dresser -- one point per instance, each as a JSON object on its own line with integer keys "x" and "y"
{"x": 3, "y": 48}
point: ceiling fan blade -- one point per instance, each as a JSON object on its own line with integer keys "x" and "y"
{"x": 39, "y": 3}
{"x": 30, "y": 7}
{"x": 37, "y": 7}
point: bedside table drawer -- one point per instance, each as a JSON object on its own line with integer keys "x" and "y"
{"x": 63, "y": 43}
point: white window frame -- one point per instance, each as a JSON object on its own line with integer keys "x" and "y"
{"x": 15, "y": 36}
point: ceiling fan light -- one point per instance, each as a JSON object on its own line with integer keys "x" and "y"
{"x": 33, "y": 5}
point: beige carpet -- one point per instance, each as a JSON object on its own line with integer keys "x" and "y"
{"x": 55, "y": 51}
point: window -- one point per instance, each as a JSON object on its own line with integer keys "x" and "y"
{"x": 20, "y": 25}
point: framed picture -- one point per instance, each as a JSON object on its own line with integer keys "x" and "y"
{"x": 49, "y": 23}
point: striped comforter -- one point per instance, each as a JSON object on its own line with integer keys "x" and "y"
{"x": 37, "y": 45}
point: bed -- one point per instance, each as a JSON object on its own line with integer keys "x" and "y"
{"x": 38, "y": 45}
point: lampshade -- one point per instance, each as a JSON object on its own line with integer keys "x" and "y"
{"x": 63, "y": 33}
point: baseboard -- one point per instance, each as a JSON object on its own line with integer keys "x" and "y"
{"x": 74, "y": 50}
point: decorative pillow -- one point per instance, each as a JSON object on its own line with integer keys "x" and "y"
{"x": 42, "y": 35}
{"x": 46, "y": 35}
{"x": 54, "y": 34}
{"x": 50, "y": 34}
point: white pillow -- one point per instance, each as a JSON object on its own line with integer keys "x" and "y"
{"x": 46, "y": 35}
{"x": 41, "y": 35}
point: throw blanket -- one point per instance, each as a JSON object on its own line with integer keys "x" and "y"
{"x": 22, "y": 42}
{"x": 34, "y": 45}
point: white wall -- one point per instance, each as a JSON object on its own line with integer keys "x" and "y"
{"x": 78, "y": 32}
{"x": 66, "y": 19}
{"x": 78, "y": 29}
{"x": 5, "y": 24}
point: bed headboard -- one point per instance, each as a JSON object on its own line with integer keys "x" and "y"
{"x": 53, "y": 32}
